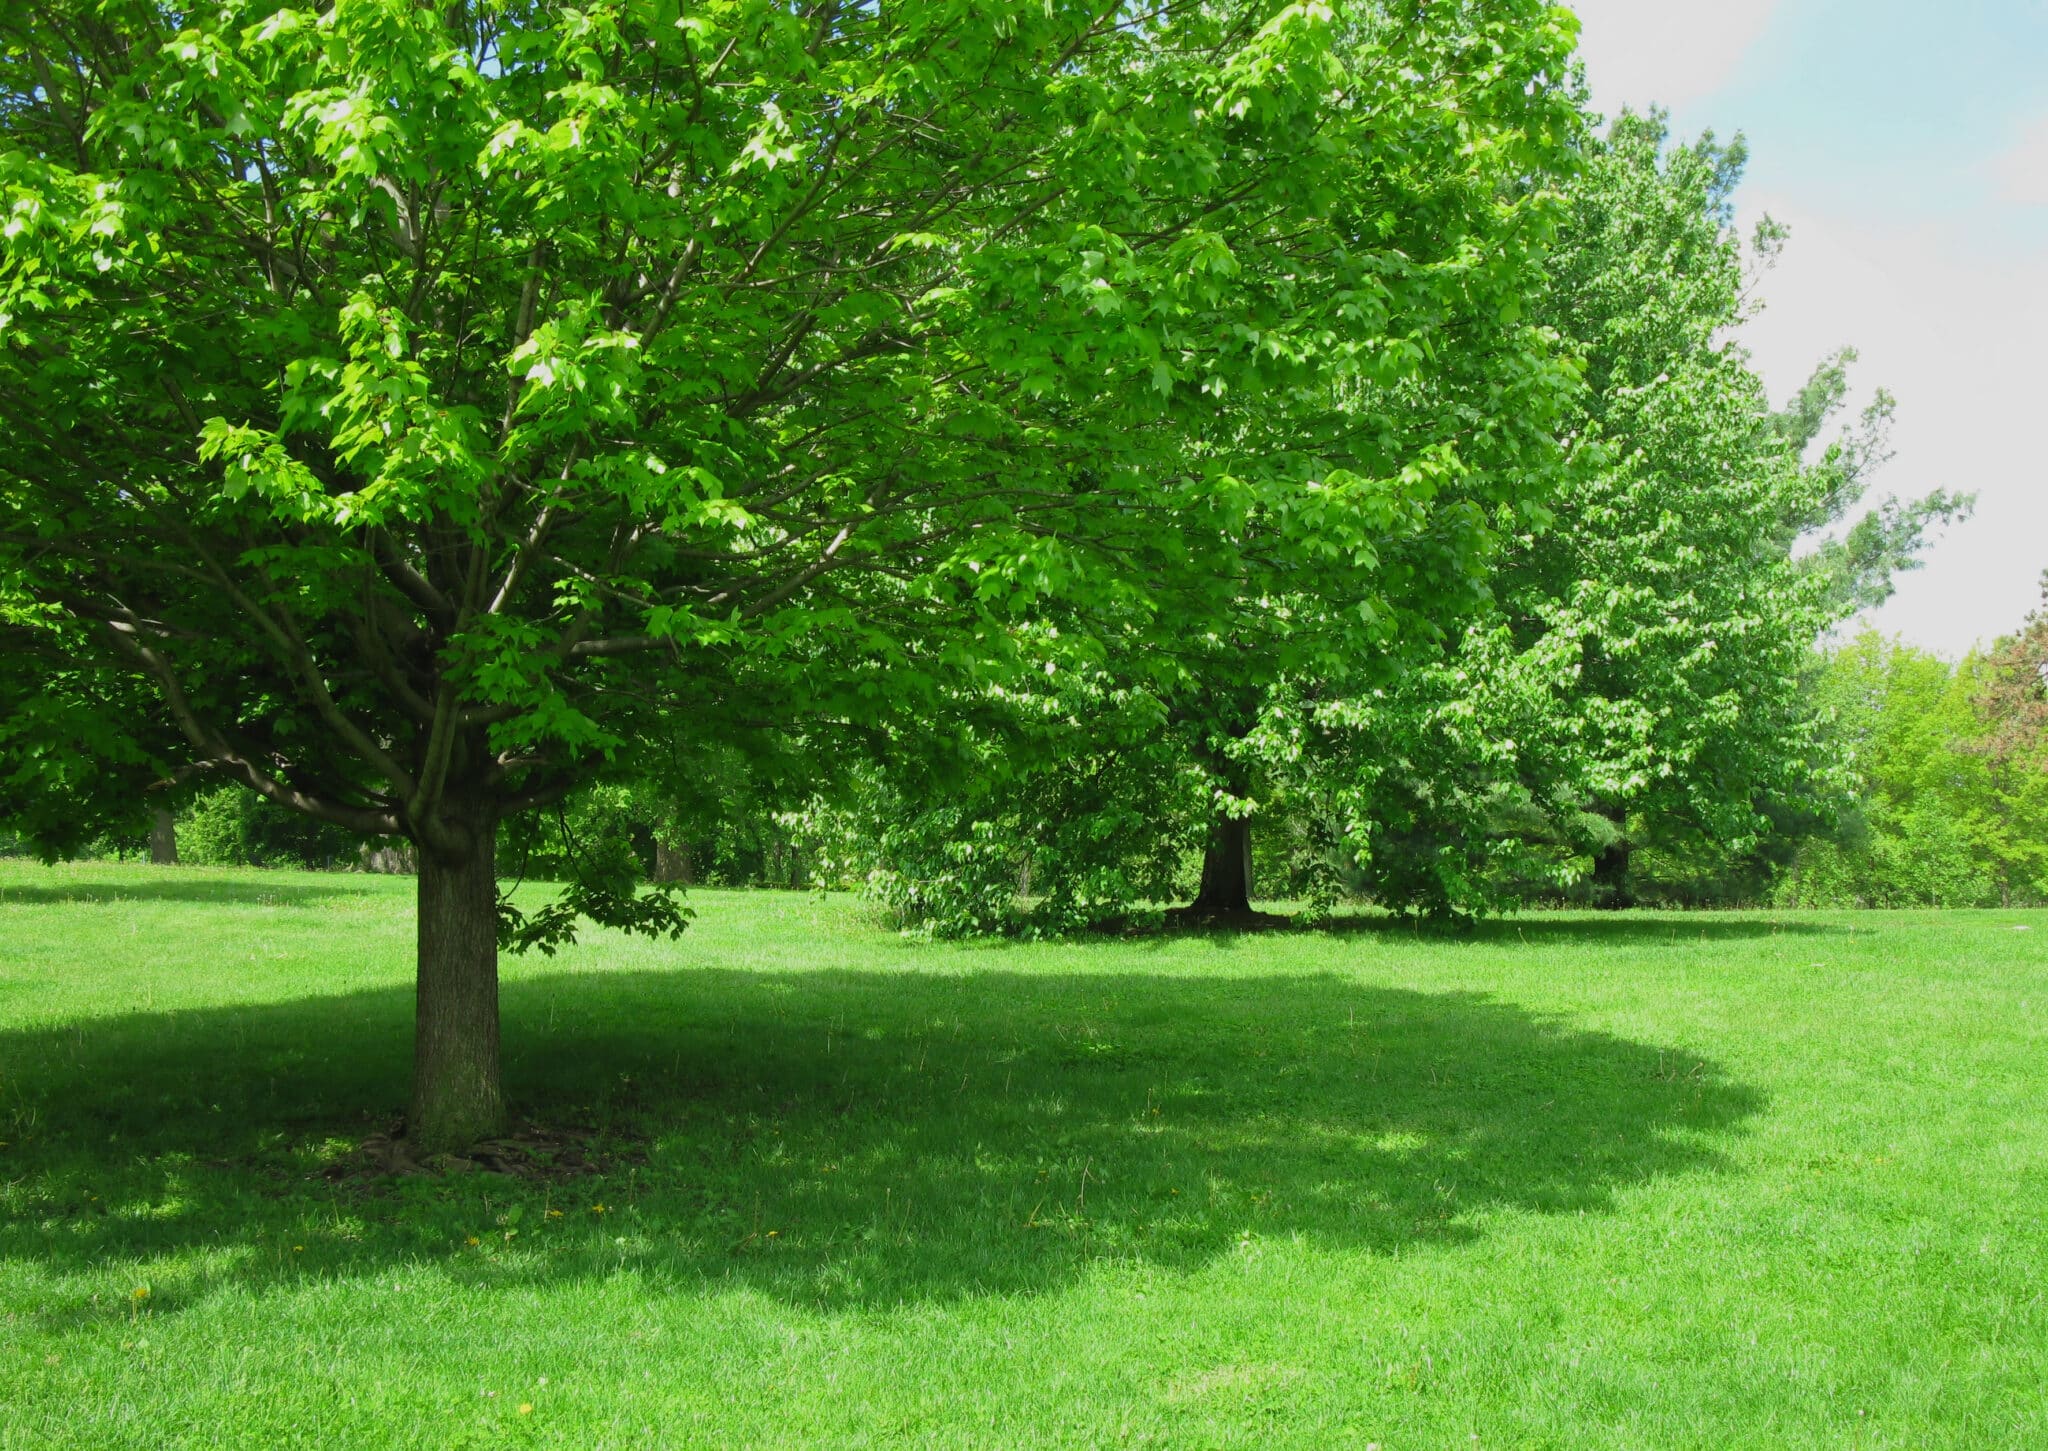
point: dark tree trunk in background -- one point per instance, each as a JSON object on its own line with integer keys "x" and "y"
{"x": 1226, "y": 870}
{"x": 457, "y": 1095}
{"x": 1611, "y": 883}
{"x": 163, "y": 838}
{"x": 390, "y": 858}
{"x": 672, "y": 863}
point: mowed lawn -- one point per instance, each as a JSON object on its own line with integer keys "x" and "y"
{"x": 1642, "y": 1181}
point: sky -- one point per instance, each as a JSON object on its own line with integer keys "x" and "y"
{"x": 1906, "y": 145}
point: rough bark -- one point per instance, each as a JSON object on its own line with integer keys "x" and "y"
{"x": 163, "y": 838}
{"x": 457, "y": 1094}
{"x": 1226, "y": 870}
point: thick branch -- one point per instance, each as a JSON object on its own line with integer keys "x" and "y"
{"x": 230, "y": 761}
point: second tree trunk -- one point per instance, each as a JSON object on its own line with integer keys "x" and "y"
{"x": 1226, "y": 869}
{"x": 163, "y": 838}
{"x": 672, "y": 863}
{"x": 1613, "y": 887}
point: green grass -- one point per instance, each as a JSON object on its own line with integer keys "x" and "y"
{"x": 1635, "y": 1182}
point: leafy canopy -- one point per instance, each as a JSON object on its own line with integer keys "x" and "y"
{"x": 420, "y": 410}
{"x": 1640, "y": 673}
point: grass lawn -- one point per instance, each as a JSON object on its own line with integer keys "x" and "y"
{"x": 1633, "y": 1182}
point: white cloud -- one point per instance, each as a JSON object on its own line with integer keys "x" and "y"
{"x": 1947, "y": 306}
{"x": 1956, "y": 335}
{"x": 1665, "y": 52}
{"x": 2021, "y": 174}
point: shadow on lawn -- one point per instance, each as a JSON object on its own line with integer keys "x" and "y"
{"x": 214, "y": 891}
{"x": 1588, "y": 930}
{"x": 838, "y": 1139}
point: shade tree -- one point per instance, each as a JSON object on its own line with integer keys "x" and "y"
{"x": 414, "y": 413}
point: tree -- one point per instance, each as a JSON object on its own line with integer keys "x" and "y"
{"x": 1639, "y": 677}
{"x": 82, "y": 754}
{"x": 231, "y": 826}
{"x": 1448, "y": 440}
{"x": 2015, "y": 697}
{"x": 438, "y": 407}
{"x": 163, "y": 837}
{"x": 1052, "y": 787}
{"x": 1950, "y": 809}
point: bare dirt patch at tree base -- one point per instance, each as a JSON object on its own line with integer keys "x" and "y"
{"x": 530, "y": 1151}
{"x": 1202, "y": 919}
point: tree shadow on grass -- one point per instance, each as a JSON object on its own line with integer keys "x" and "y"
{"x": 837, "y": 1139}
{"x": 1574, "y": 929}
{"x": 1540, "y": 929}
{"x": 211, "y": 891}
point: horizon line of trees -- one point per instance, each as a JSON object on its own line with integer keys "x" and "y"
{"x": 1944, "y": 810}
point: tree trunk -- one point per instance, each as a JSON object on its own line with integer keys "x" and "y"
{"x": 457, "y": 1095}
{"x": 672, "y": 863}
{"x": 163, "y": 838}
{"x": 1611, "y": 888}
{"x": 1226, "y": 870}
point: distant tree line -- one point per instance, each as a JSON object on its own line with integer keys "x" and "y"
{"x": 1951, "y": 768}
{"x": 1943, "y": 803}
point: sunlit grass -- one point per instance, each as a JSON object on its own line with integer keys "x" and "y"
{"x": 1647, "y": 1181}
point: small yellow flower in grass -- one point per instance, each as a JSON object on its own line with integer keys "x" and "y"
{"x": 526, "y": 1408}
{"x": 298, "y": 1249}
{"x": 139, "y": 1293}
{"x": 474, "y": 1240}
{"x": 773, "y": 1232}
{"x": 598, "y": 1208}
{"x": 554, "y": 1214}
